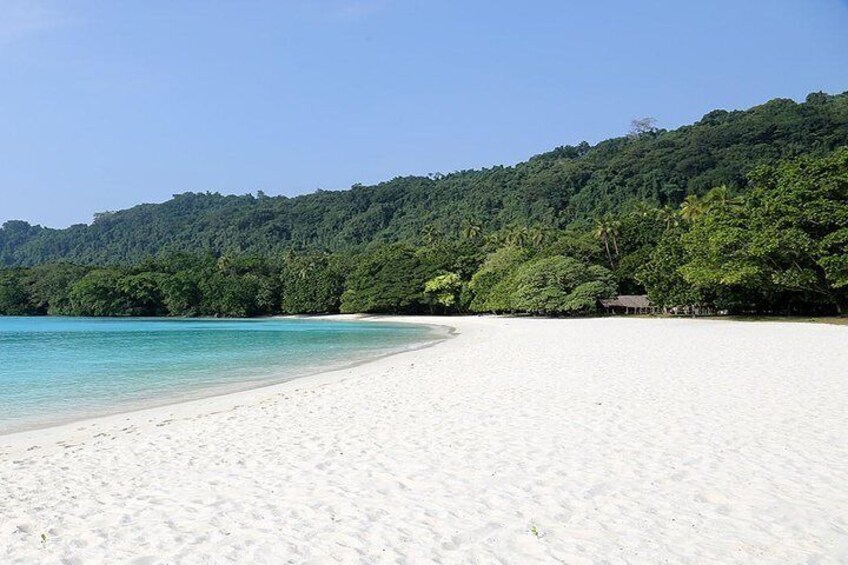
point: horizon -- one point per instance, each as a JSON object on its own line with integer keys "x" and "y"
{"x": 347, "y": 92}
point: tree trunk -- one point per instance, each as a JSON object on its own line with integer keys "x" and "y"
{"x": 609, "y": 255}
{"x": 842, "y": 305}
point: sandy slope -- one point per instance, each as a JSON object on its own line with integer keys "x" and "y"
{"x": 520, "y": 441}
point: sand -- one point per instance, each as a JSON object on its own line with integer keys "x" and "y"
{"x": 517, "y": 441}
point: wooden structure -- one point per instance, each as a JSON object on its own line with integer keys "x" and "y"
{"x": 628, "y": 304}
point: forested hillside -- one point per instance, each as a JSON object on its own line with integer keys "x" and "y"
{"x": 743, "y": 212}
{"x": 549, "y": 192}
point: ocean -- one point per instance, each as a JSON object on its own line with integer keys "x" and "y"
{"x": 55, "y": 370}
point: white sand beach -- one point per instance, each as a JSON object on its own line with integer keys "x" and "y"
{"x": 517, "y": 441}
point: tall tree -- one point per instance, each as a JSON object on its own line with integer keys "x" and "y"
{"x": 791, "y": 242}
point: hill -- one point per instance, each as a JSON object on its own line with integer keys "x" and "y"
{"x": 553, "y": 190}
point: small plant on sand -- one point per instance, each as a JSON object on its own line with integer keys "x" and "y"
{"x": 535, "y": 531}
{"x": 43, "y": 539}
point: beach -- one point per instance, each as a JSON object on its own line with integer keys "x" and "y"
{"x": 620, "y": 440}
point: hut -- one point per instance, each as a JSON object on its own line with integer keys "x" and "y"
{"x": 628, "y": 304}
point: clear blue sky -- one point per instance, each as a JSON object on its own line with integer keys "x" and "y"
{"x": 106, "y": 104}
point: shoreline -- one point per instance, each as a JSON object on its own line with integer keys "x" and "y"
{"x": 521, "y": 440}
{"x": 219, "y": 400}
{"x": 222, "y": 397}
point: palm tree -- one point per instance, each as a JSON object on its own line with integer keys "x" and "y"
{"x": 602, "y": 232}
{"x": 225, "y": 263}
{"x": 720, "y": 198}
{"x": 305, "y": 269}
{"x": 537, "y": 236}
{"x": 614, "y": 229}
{"x": 428, "y": 234}
{"x": 494, "y": 239}
{"x": 668, "y": 216}
{"x": 693, "y": 207}
{"x": 471, "y": 230}
{"x": 643, "y": 209}
{"x": 517, "y": 236}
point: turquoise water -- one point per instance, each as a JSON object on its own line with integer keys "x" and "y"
{"x": 59, "y": 369}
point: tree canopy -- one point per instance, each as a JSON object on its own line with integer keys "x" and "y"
{"x": 548, "y": 192}
{"x": 740, "y": 212}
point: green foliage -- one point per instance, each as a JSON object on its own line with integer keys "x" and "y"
{"x": 627, "y": 270}
{"x": 446, "y": 291}
{"x": 661, "y": 275}
{"x": 788, "y": 243}
{"x": 181, "y": 294}
{"x": 575, "y": 242}
{"x": 523, "y": 204}
{"x": 230, "y": 295}
{"x": 673, "y": 213}
{"x": 14, "y": 297}
{"x": 144, "y": 291}
{"x": 236, "y": 287}
{"x": 312, "y": 284}
{"x": 560, "y": 286}
{"x": 460, "y": 257}
{"x": 492, "y": 286}
{"x": 390, "y": 280}
{"x": 50, "y": 286}
{"x": 100, "y": 293}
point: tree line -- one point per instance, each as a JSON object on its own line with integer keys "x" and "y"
{"x": 780, "y": 245}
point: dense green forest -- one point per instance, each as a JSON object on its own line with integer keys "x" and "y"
{"x": 744, "y": 211}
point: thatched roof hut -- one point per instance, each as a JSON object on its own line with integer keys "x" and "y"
{"x": 628, "y": 304}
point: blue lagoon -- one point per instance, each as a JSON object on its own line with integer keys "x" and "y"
{"x": 54, "y": 370}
